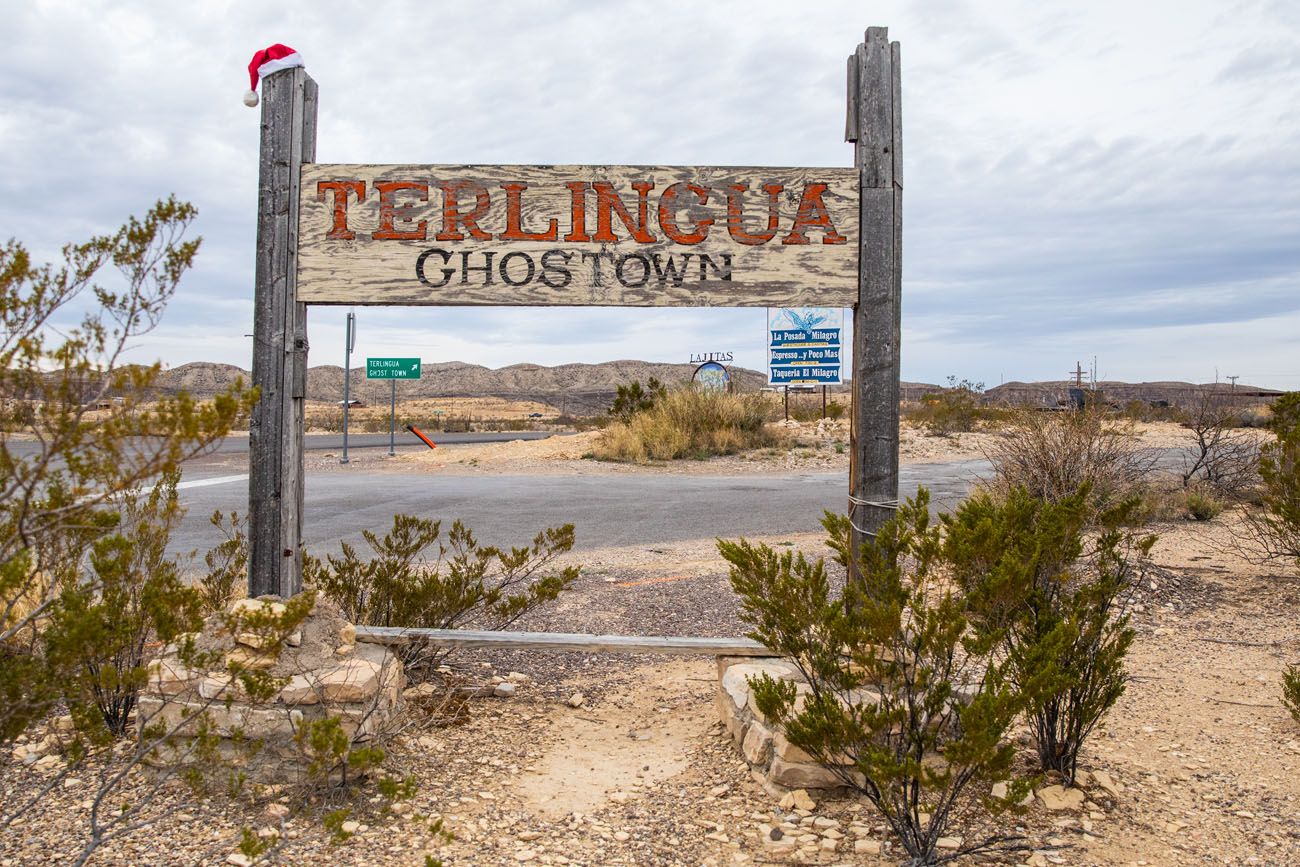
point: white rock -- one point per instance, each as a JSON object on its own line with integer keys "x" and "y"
{"x": 1058, "y": 798}
{"x": 239, "y": 859}
{"x": 505, "y": 690}
{"x": 576, "y": 699}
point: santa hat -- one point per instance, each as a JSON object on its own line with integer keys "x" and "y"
{"x": 265, "y": 62}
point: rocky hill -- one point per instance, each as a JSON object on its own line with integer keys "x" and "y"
{"x": 575, "y": 388}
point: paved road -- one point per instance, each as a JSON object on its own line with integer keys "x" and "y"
{"x": 606, "y": 509}
{"x": 334, "y": 442}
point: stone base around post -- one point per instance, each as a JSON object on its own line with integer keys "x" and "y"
{"x": 772, "y": 759}
{"x": 319, "y": 671}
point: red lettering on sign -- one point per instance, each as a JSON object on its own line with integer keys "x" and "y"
{"x": 388, "y": 212}
{"x": 812, "y": 215}
{"x": 452, "y": 218}
{"x": 578, "y": 211}
{"x": 514, "y": 218}
{"x": 668, "y": 214}
{"x": 736, "y": 214}
{"x": 339, "y": 231}
{"x": 608, "y": 202}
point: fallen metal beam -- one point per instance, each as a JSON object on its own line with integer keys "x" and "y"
{"x": 677, "y": 645}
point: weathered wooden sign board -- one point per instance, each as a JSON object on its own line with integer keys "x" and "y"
{"x": 642, "y": 236}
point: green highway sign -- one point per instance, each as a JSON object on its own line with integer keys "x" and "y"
{"x": 392, "y": 368}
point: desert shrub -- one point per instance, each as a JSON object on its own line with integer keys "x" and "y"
{"x": 1052, "y": 455}
{"x": 464, "y": 584}
{"x": 1141, "y": 410}
{"x": 57, "y": 488}
{"x": 1202, "y": 505}
{"x": 1274, "y": 527}
{"x": 133, "y": 594}
{"x": 633, "y": 398}
{"x": 902, "y": 683}
{"x": 227, "y": 564}
{"x": 1221, "y": 459}
{"x": 690, "y": 423}
{"x": 835, "y": 410}
{"x": 1058, "y": 603}
{"x": 1291, "y": 690}
{"x": 955, "y": 409}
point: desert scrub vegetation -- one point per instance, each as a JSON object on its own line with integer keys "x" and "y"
{"x": 1273, "y": 526}
{"x": 959, "y": 408}
{"x": 1009, "y": 608}
{"x": 1051, "y": 455}
{"x": 690, "y": 422}
{"x": 1222, "y": 460}
{"x": 462, "y": 584}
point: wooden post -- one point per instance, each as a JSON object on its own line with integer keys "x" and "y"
{"x": 275, "y": 466}
{"x": 874, "y": 122}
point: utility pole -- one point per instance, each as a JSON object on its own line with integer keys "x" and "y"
{"x": 350, "y": 341}
{"x": 1078, "y": 374}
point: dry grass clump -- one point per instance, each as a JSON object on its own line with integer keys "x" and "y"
{"x": 691, "y": 423}
{"x": 1052, "y": 455}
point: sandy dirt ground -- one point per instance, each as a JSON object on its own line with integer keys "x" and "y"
{"x": 1205, "y": 760}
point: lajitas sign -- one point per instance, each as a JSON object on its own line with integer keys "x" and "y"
{"x": 550, "y": 235}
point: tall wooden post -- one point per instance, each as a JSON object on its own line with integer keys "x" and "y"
{"x": 275, "y": 466}
{"x": 874, "y": 122}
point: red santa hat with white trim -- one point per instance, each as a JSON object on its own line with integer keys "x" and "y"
{"x": 271, "y": 59}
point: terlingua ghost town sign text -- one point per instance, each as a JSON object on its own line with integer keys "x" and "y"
{"x": 578, "y": 235}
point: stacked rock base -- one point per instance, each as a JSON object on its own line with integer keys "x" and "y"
{"x": 324, "y": 673}
{"x": 772, "y": 758}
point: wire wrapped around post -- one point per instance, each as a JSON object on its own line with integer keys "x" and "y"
{"x": 855, "y": 502}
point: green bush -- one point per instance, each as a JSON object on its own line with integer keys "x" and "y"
{"x": 1202, "y": 505}
{"x": 955, "y": 409}
{"x": 633, "y": 398}
{"x": 692, "y": 423}
{"x": 1059, "y": 605}
{"x": 464, "y": 584}
{"x": 902, "y": 682}
{"x": 1274, "y": 527}
{"x": 1291, "y": 690}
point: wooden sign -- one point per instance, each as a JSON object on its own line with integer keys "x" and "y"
{"x": 640, "y": 236}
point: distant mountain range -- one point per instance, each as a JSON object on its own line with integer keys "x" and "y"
{"x": 589, "y": 388}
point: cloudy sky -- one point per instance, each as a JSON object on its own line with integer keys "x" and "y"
{"x": 1109, "y": 179}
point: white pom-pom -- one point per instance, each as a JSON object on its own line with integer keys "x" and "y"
{"x": 250, "y": 98}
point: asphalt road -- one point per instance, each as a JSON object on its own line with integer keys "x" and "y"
{"x": 607, "y": 510}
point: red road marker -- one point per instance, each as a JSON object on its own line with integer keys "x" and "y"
{"x": 424, "y": 439}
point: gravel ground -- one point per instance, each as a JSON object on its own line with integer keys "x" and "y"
{"x": 1206, "y": 761}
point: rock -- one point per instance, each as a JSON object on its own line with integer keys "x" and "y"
{"x": 248, "y": 658}
{"x": 801, "y": 776}
{"x": 517, "y": 677}
{"x": 576, "y": 699}
{"x": 829, "y": 845}
{"x": 999, "y": 791}
{"x": 866, "y": 847}
{"x": 757, "y": 744}
{"x": 300, "y": 690}
{"x": 1058, "y": 798}
{"x": 275, "y": 812}
{"x": 622, "y": 836}
{"x": 504, "y": 690}
{"x": 294, "y": 639}
{"x": 620, "y": 797}
{"x": 354, "y": 680}
{"x": 528, "y": 836}
{"x": 344, "y": 650}
{"x": 949, "y": 843}
{"x": 525, "y": 855}
{"x": 347, "y": 634}
{"x": 798, "y": 799}
{"x": 718, "y": 836}
{"x": 822, "y": 823}
{"x": 1107, "y": 784}
{"x": 239, "y": 859}
{"x": 350, "y": 827}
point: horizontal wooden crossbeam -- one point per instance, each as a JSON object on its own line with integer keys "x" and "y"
{"x": 676, "y": 645}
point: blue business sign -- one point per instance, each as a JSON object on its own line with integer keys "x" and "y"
{"x": 803, "y": 345}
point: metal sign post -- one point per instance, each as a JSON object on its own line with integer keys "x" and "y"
{"x": 392, "y": 369}
{"x": 350, "y": 343}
